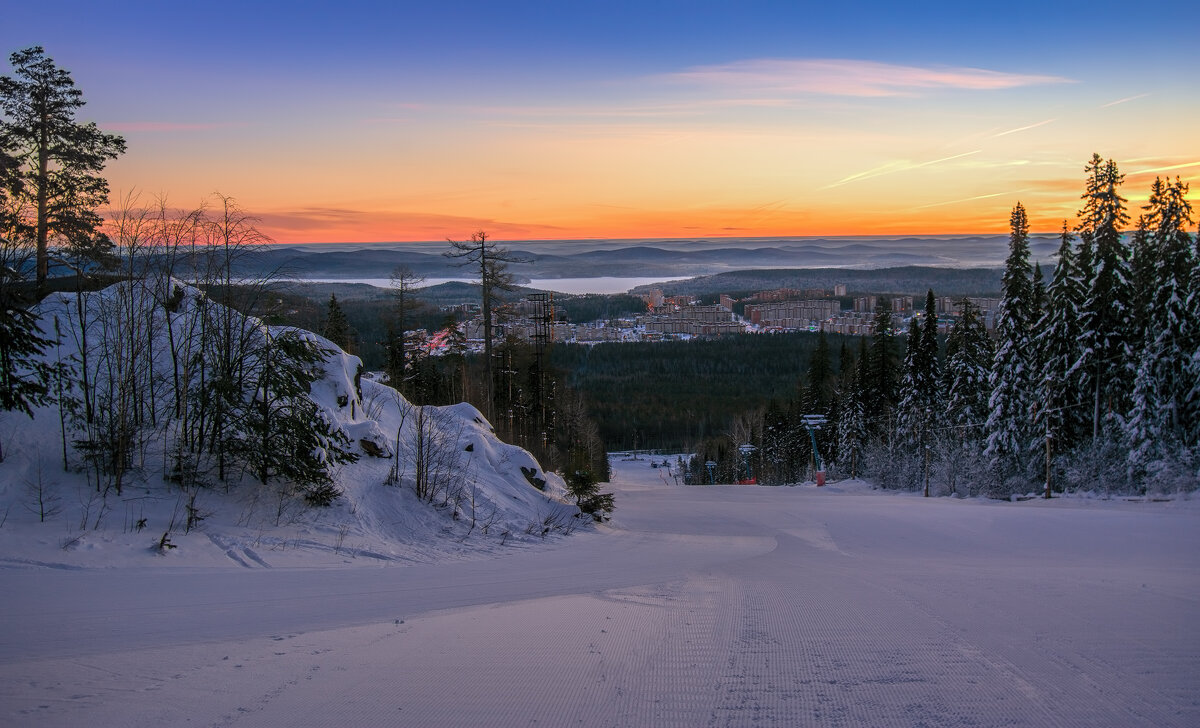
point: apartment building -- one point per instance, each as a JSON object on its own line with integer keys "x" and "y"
{"x": 792, "y": 314}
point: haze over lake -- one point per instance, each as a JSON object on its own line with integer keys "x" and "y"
{"x": 615, "y": 266}
{"x": 574, "y": 286}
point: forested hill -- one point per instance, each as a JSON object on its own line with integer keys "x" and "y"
{"x": 673, "y": 394}
{"x": 905, "y": 280}
{"x": 665, "y": 259}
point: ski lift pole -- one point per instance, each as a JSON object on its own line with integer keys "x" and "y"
{"x": 812, "y": 434}
{"x": 1049, "y": 437}
{"x": 814, "y": 423}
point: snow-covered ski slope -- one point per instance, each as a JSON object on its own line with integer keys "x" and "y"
{"x": 698, "y": 606}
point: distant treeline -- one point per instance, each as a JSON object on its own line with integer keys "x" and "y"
{"x": 673, "y": 394}
{"x": 905, "y": 280}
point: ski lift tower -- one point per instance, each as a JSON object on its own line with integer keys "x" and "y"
{"x": 814, "y": 423}
{"x": 543, "y": 328}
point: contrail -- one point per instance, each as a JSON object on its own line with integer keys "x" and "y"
{"x": 901, "y": 166}
{"x": 1023, "y": 128}
{"x": 1121, "y": 101}
{"x": 970, "y": 199}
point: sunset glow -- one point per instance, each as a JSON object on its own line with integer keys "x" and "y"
{"x": 403, "y": 122}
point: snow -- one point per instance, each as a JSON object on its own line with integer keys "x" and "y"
{"x": 717, "y": 606}
{"x": 695, "y": 605}
{"x": 487, "y": 501}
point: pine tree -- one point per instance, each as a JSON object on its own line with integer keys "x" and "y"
{"x": 1035, "y": 358}
{"x": 1143, "y": 259}
{"x": 1037, "y": 296}
{"x": 777, "y": 447}
{"x": 879, "y": 366}
{"x": 337, "y": 326}
{"x": 1062, "y": 413}
{"x": 1008, "y": 426}
{"x": 927, "y": 383}
{"x": 969, "y": 357}
{"x": 582, "y": 483}
{"x": 11, "y": 187}
{"x": 910, "y": 410}
{"x": 829, "y": 435}
{"x": 283, "y": 434}
{"x": 820, "y": 377}
{"x": 1106, "y": 317}
{"x": 59, "y": 158}
{"x": 1172, "y": 329}
{"x": 1191, "y": 344}
{"x": 24, "y": 377}
{"x": 1160, "y": 415}
{"x": 852, "y": 419}
{"x": 930, "y": 380}
{"x": 1148, "y": 440}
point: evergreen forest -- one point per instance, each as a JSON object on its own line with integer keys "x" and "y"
{"x": 1090, "y": 379}
{"x": 671, "y": 395}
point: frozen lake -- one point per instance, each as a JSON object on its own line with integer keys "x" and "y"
{"x": 698, "y": 606}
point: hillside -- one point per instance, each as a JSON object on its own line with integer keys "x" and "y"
{"x": 423, "y": 481}
{"x": 673, "y": 394}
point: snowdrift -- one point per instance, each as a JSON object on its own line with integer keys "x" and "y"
{"x": 428, "y": 481}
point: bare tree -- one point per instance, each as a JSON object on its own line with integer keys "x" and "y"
{"x": 42, "y": 501}
{"x": 491, "y": 261}
{"x": 227, "y": 334}
{"x": 438, "y": 462}
{"x": 404, "y": 284}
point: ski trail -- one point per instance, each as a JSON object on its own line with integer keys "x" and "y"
{"x": 228, "y": 550}
{"x": 717, "y": 607}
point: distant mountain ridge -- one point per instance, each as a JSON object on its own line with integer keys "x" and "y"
{"x": 669, "y": 259}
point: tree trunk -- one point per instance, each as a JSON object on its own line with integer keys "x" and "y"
{"x": 43, "y": 198}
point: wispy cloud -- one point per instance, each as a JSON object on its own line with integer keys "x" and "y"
{"x": 1023, "y": 128}
{"x": 322, "y": 215}
{"x": 900, "y": 165}
{"x": 333, "y": 223}
{"x": 1124, "y": 100}
{"x": 166, "y": 126}
{"x": 555, "y": 114}
{"x": 852, "y": 77}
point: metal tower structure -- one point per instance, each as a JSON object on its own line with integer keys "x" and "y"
{"x": 543, "y": 383}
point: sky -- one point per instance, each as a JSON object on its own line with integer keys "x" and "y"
{"x": 415, "y": 121}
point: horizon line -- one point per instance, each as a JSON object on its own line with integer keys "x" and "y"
{"x": 877, "y": 236}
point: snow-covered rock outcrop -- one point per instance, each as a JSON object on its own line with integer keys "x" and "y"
{"x": 427, "y": 480}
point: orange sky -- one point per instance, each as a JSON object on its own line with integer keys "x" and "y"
{"x": 624, "y": 119}
{"x": 836, "y": 166}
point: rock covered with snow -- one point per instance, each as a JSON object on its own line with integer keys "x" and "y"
{"x": 428, "y": 480}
